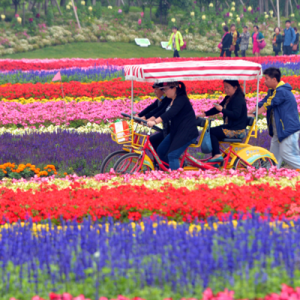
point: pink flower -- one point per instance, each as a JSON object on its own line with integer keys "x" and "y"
{"x": 142, "y": 14}
{"x": 30, "y": 20}
{"x": 16, "y": 15}
{"x": 120, "y": 11}
{"x": 140, "y": 21}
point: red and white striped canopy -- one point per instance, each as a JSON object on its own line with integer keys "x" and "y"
{"x": 194, "y": 70}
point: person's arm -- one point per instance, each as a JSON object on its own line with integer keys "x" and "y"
{"x": 170, "y": 40}
{"x": 181, "y": 43}
{"x": 261, "y": 103}
{"x": 176, "y": 107}
{"x": 277, "y": 100}
{"x": 159, "y": 110}
{"x": 293, "y": 37}
{"x": 260, "y": 111}
{"x": 214, "y": 111}
{"x": 148, "y": 109}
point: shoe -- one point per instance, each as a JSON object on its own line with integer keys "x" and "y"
{"x": 218, "y": 159}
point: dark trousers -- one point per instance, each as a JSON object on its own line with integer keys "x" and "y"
{"x": 287, "y": 50}
{"x": 228, "y": 54}
{"x": 176, "y": 53}
{"x": 156, "y": 139}
{"x": 276, "y": 53}
{"x": 235, "y": 53}
{"x": 243, "y": 53}
{"x": 216, "y": 135}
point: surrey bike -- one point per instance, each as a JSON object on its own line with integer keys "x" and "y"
{"x": 237, "y": 153}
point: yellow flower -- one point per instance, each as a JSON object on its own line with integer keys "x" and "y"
{"x": 90, "y": 8}
{"x": 266, "y": 16}
{"x": 3, "y": 17}
{"x": 186, "y": 30}
{"x": 211, "y": 4}
{"x": 232, "y": 8}
{"x": 292, "y": 15}
{"x": 233, "y": 3}
{"x": 109, "y": 7}
{"x": 203, "y": 17}
{"x": 238, "y": 19}
{"x": 173, "y": 20}
{"x": 19, "y": 19}
{"x": 192, "y": 13}
{"x": 223, "y": 24}
{"x": 271, "y": 12}
{"x": 249, "y": 8}
{"x": 82, "y": 2}
{"x": 68, "y": 7}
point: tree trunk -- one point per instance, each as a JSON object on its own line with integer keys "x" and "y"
{"x": 151, "y": 13}
{"x": 39, "y": 7}
{"x": 274, "y": 8}
{"x": 16, "y": 8}
{"x": 46, "y": 7}
{"x": 267, "y": 6}
{"x": 286, "y": 9}
{"x": 291, "y": 6}
{"x": 23, "y": 15}
{"x": 56, "y": 3}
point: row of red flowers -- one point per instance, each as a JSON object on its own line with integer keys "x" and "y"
{"x": 287, "y": 293}
{"x": 134, "y": 202}
{"x": 117, "y": 88}
{"x": 50, "y": 64}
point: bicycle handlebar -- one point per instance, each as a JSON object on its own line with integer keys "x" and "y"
{"x": 145, "y": 123}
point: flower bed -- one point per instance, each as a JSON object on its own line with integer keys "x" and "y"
{"x": 153, "y": 259}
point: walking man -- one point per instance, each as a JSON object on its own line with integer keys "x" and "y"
{"x": 282, "y": 117}
{"x": 289, "y": 38}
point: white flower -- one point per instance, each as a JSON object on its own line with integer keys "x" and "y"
{"x": 192, "y": 13}
{"x": 90, "y": 8}
{"x": 173, "y": 20}
{"x": 97, "y": 254}
{"x": 230, "y": 14}
{"x": 223, "y": 24}
{"x": 203, "y": 17}
{"x": 211, "y": 4}
{"x": 109, "y": 7}
{"x": 232, "y": 8}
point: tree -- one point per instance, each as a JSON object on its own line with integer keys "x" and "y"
{"x": 150, "y": 4}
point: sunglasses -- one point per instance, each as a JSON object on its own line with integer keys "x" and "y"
{"x": 165, "y": 88}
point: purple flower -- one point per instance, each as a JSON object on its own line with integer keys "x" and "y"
{"x": 30, "y": 20}
{"x": 120, "y": 11}
{"x": 245, "y": 9}
{"x": 298, "y": 6}
{"x": 258, "y": 8}
{"x": 227, "y": 15}
{"x": 37, "y": 15}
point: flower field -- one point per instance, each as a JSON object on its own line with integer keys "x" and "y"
{"x": 68, "y": 232}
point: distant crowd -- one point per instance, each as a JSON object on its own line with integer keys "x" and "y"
{"x": 286, "y": 42}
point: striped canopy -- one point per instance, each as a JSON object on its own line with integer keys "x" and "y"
{"x": 194, "y": 70}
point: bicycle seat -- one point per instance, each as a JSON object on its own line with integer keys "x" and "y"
{"x": 232, "y": 140}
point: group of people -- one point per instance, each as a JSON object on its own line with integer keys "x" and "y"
{"x": 174, "y": 110}
{"x": 286, "y": 42}
{"x": 233, "y": 41}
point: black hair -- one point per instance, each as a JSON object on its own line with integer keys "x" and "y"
{"x": 232, "y": 25}
{"x": 174, "y": 27}
{"x": 235, "y": 83}
{"x": 256, "y": 27}
{"x": 273, "y": 72}
{"x": 245, "y": 26}
{"x": 276, "y": 28}
{"x": 287, "y": 21}
{"x": 181, "y": 89}
{"x": 225, "y": 28}
{"x": 295, "y": 28}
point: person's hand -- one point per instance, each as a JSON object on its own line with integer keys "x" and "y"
{"x": 273, "y": 42}
{"x": 219, "y": 107}
{"x": 201, "y": 115}
{"x": 151, "y": 119}
{"x": 251, "y": 115}
{"x": 151, "y": 123}
{"x": 143, "y": 118}
{"x": 221, "y": 45}
{"x": 291, "y": 44}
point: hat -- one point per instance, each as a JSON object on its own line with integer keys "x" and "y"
{"x": 157, "y": 85}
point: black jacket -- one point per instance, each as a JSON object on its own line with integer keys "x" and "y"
{"x": 159, "y": 111}
{"x": 277, "y": 45}
{"x": 149, "y": 108}
{"x": 227, "y": 41}
{"x": 236, "y": 111}
{"x": 183, "y": 127}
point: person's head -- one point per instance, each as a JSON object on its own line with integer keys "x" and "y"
{"x": 287, "y": 24}
{"x": 174, "y": 89}
{"x": 255, "y": 28}
{"x": 231, "y": 87}
{"x": 272, "y": 77}
{"x": 245, "y": 29}
{"x": 174, "y": 29}
{"x": 277, "y": 30}
{"x": 157, "y": 91}
{"x": 225, "y": 28}
{"x": 232, "y": 28}
{"x": 295, "y": 28}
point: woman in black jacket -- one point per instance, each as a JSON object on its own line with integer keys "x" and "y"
{"x": 226, "y": 42}
{"x": 182, "y": 121}
{"x": 234, "y": 111}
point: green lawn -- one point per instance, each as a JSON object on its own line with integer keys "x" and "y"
{"x": 104, "y": 50}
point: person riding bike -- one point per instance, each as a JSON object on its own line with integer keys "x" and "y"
{"x": 234, "y": 111}
{"x": 182, "y": 121}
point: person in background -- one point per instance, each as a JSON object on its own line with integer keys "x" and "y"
{"x": 295, "y": 49}
{"x": 277, "y": 41}
{"x": 245, "y": 35}
{"x": 256, "y": 38}
{"x": 235, "y": 38}
{"x": 289, "y": 38}
{"x": 226, "y": 42}
{"x": 234, "y": 111}
{"x": 282, "y": 117}
{"x": 176, "y": 41}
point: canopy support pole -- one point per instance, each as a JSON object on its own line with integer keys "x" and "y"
{"x": 245, "y": 87}
{"x": 131, "y": 99}
{"x": 257, "y": 91}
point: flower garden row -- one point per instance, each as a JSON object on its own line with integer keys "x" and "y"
{"x": 58, "y": 64}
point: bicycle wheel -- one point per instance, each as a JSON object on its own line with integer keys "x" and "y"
{"x": 110, "y": 160}
{"x": 129, "y": 164}
{"x": 265, "y": 163}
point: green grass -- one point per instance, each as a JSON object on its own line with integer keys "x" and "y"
{"x": 104, "y": 50}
